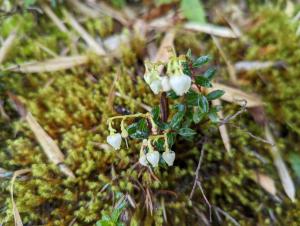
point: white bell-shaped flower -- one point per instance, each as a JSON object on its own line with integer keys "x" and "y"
{"x": 169, "y": 157}
{"x": 153, "y": 158}
{"x": 180, "y": 84}
{"x": 165, "y": 84}
{"x": 115, "y": 140}
{"x": 143, "y": 160}
{"x": 156, "y": 86}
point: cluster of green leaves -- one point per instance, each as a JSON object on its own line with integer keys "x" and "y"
{"x": 114, "y": 218}
{"x": 189, "y": 110}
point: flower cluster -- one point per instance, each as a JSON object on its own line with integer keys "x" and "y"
{"x": 148, "y": 154}
{"x": 156, "y": 133}
{"x": 175, "y": 79}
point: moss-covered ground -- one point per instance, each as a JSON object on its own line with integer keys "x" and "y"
{"x": 73, "y": 106}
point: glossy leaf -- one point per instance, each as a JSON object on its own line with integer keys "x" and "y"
{"x": 215, "y": 94}
{"x": 201, "y": 61}
{"x": 186, "y": 132}
{"x": 138, "y": 130}
{"x": 202, "y": 81}
{"x": 198, "y": 116}
{"x": 210, "y": 73}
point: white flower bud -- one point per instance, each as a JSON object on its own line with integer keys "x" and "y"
{"x": 155, "y": 86}
{"x": 169, "y": 157}
{"x": 153, "y": 158}
{"x": 165, "y": 84}
{"x": 115, "y": 140}
{"x": 180, "y": 83}
{"x": 143, "y": 160}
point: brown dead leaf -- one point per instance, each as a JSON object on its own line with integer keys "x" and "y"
{"x": 230, "y": 68}
{"x": 257, "y": 65}
{"x": 166, "y": 48}
{"x": 266, "y": 182}
{"x": 7, "y": 44}
{"x": 56, "y": 64}
{"x": 17, "y": 217}
{"x": 286, "y": 180}
{"x": 211, "y": 29}
{"x": 234, "y": 95}
{"x": 48, "y": 145}
{"x": 222, "y": 128}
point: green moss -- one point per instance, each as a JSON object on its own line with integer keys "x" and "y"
{"x": 73, "y": 109}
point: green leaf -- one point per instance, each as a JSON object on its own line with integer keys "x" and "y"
{"x": 215, "y": 94}
{"x": 171, "y": 139}
{"x": 159, "y": 145}
{"x": 105, "y": 223}
{"x": 186, "y": 132}
{"x": 295, "y": 163}
{"x": 193, "y": 10}
{"x": 171, "y": 94}
{"x": 210, "y": 73}
{"x": 198, "y": 116}
{"x": 177, "y": 118}
{"x": 197, "y": 99}
{"x": 203, "y": 104}
{"x": 186, "y": 68}
{"x": 155, "y": 112}
{"x": 138, "y": 130}
{"x": 201, "y": 61}
{"x": 213, "y": 116}
{"x": 202, "y": 81}
{"x": 28, "y": 3}
{"x": 192, "y": 98}
{"x": 118, "y": 3}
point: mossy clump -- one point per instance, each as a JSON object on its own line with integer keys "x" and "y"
{"x": 74, "y": 105}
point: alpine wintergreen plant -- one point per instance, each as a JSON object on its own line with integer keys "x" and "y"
{"x": 181, "y": 83}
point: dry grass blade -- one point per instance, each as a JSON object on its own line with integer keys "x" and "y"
{"x": 211, "y": 29}
{"x": 54, "y": 18}
{"x": 84, "y": 34}
{"x": 48, "y": 145}
{"x": 256, "y": 65}
{"x": 56, "y": 64}
{"x": 234, "y": 95}
{"x": 286, "y": 180}
{"x": 166, "y": 48}
{"x": 7, "y": 44}
{"x": 50, "y": 148}
{"x": 223, "y": 128}
{"x": 109, "y": 11}
{"x": 265, "y": 182}
{"x": 17, "y": 217}
{"x": 83, "y": 9}
{"x": 230, "y": 68}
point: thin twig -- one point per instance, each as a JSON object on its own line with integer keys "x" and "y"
{"x": 206, "y": 200}
{"x": 234, "y": 221}
{"x": 231, "y": 117}
{"x": 253, "y": 136}
{"x": 198, "y": 169}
